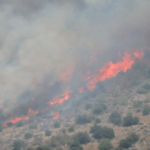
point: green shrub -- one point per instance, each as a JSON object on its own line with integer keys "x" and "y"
{"x": 37, "y": 141}
{"x": 18, "y": 144}
{"x": 97, "y": 120}
{"x": 1, "y": 128}
{"x": 105, "y": 144}
{"x": 71, "y": 129}
{"x": 82, "y": 137}
{"x": 57, "y": 124}
{"x": 131, "y": 139}
{"x": 146, "y": 110}
{"x": 88, "y": 106}
{"x": 28, "y": 135}
{"x": 99, "y": 109}
{"x": 59, "y": 140}
{"x": 19, "y": 124}
{"x": 118, "y": 148}
{"x": 145, "y": 88}
{"x": 102, "y": 132}
{"x": 33, "y": 126}
{"x": 115, "y": 118}
{"x": 43, "y": 148}
{"x": 75, "y": 145}
{"x": 47, "y": 133}
{"x": 129, "y": 120}
{"x": 83, "y": 118}
{"x": 148, "y": 74}
{"x": 63, "y": 131}
{"x": 9, "y": 124}
{"x": 137, "y": 104}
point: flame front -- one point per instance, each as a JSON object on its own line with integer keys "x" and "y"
{"x": 110, "y": 70}
{"x": 56, "y": 116}
{"x": 17, "y": 119}
{"x": 60, "y": 99}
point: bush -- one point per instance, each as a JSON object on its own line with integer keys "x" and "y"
{"x": 9, "y": 124}
{"x": 59, "y": 140}
{"x": 71, "y": 129}
{"x": 105, "y": 144}
{"x": 28, "y": 135}
{"x": 97, "y": 120}
{"x": 88, "y": 106}
{"x": 83, "y": 118}
{"x": 38, "y": 141}
{"x": 63, "y": 130}
{"x": 146, "y": 110}
{"x": 145, "y": 88}
{"x": 131, "y": 139}
{"x": 33, "y": 126}
{"x": 115, "y": 118}
{"x": 57, "y": 124}
{"x": 18, "y": 144}
{"x": 99, "y": 109}
{"x": 1, "y": 128}
{"x": 129, "y": 120}
{"x": 118, "y": 148}
{"x": 75, "y": 146}
{"x": 43, "y": 148}
{"x": 137, "y": 104}
{"x": 99, "y": 132}
{"x": 82, "y": 137}
{"x": 19, "y": 124}
{"x": 47, "y": 133}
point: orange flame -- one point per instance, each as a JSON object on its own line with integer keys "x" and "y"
{"x": 60, "y": 99}
{"x": 81, "y": 90}
{"x": 17, "y": 119}
{"x": 65, "y": 77}
{"x": 56, "y": 116}
{"x": 110, "y": 69}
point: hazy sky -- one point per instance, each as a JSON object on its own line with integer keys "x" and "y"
{"x": 41, "y": 37}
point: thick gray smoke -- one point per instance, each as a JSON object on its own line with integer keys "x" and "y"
{"x": 44, "y": 37}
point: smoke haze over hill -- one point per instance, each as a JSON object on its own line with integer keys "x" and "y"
{"x": 41, "y": 40}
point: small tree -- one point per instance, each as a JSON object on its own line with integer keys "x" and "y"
{"x": 102, "y": 132}
{"x": 63, "y": 131}
{"x": 19, "y": 124}
{"x": 83, "y": 118}
{"x": 97, "y": 120}
{"x": 43, "y": 148}
{"x": 105, "y": 144}
{"x": 47, "y": 133}
{"x": 129, "y": 120}
{"x": 57, "y": 124}
{"x": 146, "y": 110}
{"x": 28, "y": 135}
{"x": 71, "y": 129}
{"x": 18, "y": 144}
{"x": 99, "y": 109}
{"x": 9, "y": 124}
{"x": 33, "y": 126}
{"x": 75, "y": 145}
{"x": 115, "y": 118}
{"x": 82, "y": 137}
{"x": 88, "y": 106}
{"x": 131, "y": 139}
{"x": 1, "y": 128}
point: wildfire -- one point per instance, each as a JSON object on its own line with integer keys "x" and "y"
{"x": 56, "y": 116}
{"x": 60, "y": 99}
{"x": 65, "y": 77}
{"x": 81, "y": 90}
{"x": 111, "y": 69}
{"x": 17, "y": 119}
